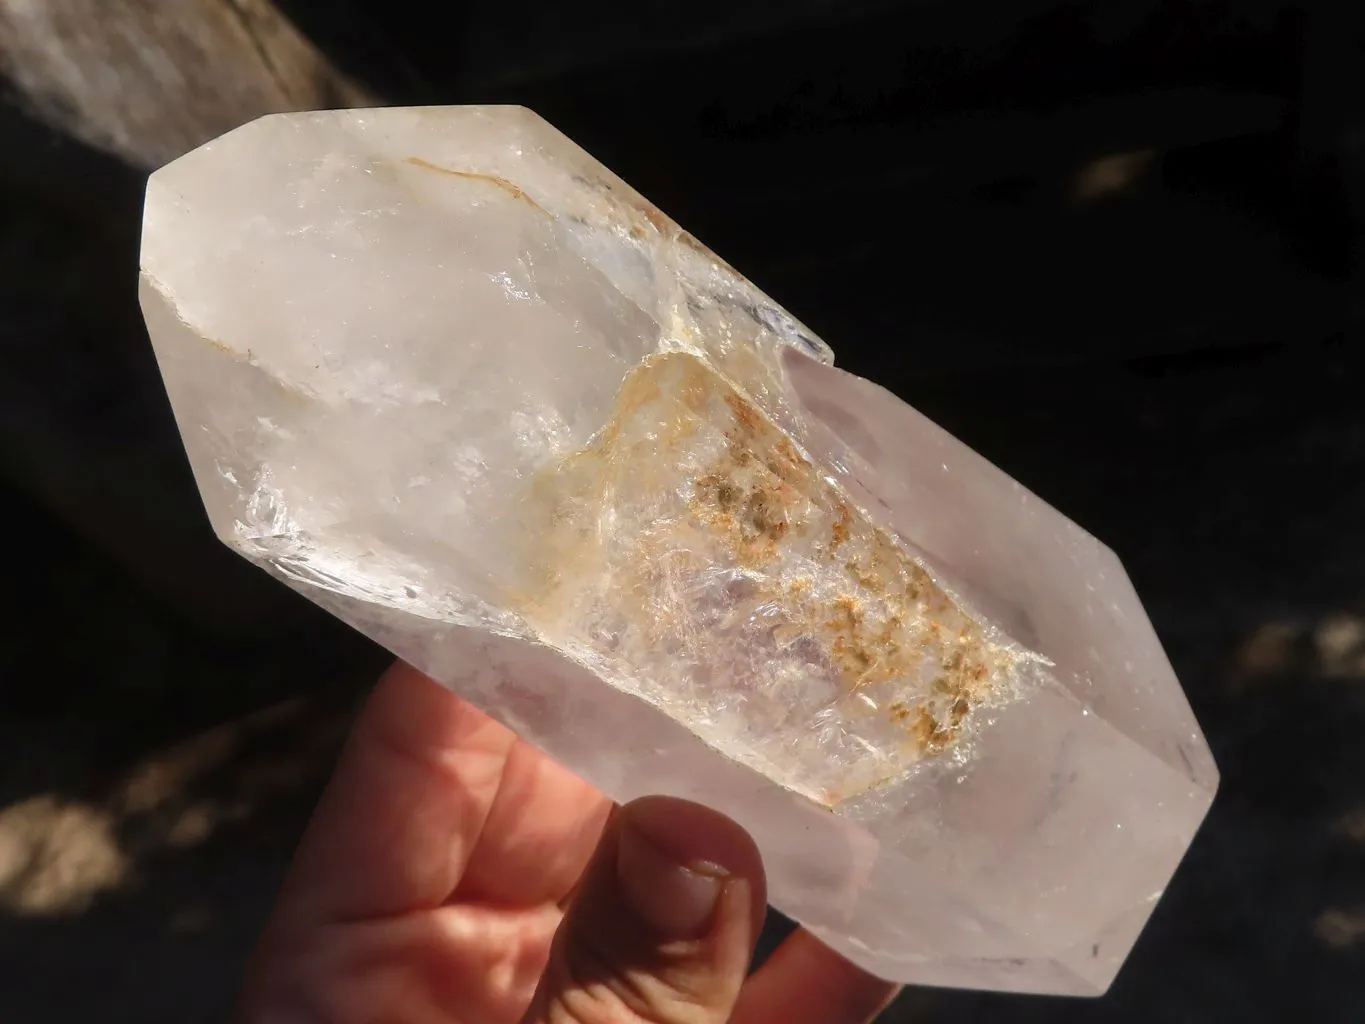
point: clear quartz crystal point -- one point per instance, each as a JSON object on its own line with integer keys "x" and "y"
{"x": 449, "y": 377}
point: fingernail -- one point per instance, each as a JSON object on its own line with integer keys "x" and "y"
{"x": 671, "y": 893}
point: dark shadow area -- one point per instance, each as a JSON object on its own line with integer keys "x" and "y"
{"x": 1043, "y": 184}
{"x": 1116, "y": 248}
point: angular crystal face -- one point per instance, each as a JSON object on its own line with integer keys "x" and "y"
{"x": 446, "y": 375}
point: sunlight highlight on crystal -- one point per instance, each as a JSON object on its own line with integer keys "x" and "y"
{"x": 449, "y": 377}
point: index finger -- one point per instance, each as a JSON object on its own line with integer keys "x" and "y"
{"x": 404, "y": 808}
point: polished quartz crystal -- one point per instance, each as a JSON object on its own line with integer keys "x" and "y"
{"x": 449, "y": 377}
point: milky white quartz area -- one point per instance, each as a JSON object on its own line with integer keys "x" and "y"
{"x": 446, "y": 375}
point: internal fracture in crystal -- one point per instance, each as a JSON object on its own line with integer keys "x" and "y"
{"x": 449, "y": 377}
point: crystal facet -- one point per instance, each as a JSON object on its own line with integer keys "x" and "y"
{"x": 446, "y": 375}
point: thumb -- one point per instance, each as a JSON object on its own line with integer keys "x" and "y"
{"x": 664, "y": 923}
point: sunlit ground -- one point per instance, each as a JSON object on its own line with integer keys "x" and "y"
{"x": 57, "y": 855}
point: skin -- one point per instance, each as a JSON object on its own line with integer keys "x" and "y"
{"x": 452, "y": 874}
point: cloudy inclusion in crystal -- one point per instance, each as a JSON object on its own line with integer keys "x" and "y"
{"x": 445, "y": 374}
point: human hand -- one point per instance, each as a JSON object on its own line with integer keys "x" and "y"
{"x": 453, "y": 874}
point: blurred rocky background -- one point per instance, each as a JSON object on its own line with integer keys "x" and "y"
{"x": 1115, "y": 245}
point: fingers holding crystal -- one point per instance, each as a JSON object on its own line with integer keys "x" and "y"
{"x": 663, "y": 926}
{"x": 538, "y": 836}
{"x": 405, "y": 807}
{"x": 805, "y": 982}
